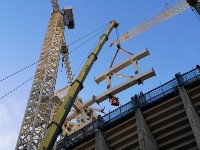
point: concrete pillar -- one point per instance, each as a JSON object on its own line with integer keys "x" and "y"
{"x": 100, "y": 141}
{"x": 146, "y": 139}
{"x": 192, "y": 114}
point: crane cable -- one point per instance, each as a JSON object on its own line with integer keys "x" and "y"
{"x": 16, "y": 88}
{"x": 119, "y": 48}
{"x": 104, "y": 26}
{"x": 86, "y": 57}
{"x": 85, "y": 42}
{"x": 88, "y": 34}
{"x": 19, "y": 71}
{"x": 33, "y": 76}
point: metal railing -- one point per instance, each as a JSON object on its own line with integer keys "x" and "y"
{"x": 143, "y": 100}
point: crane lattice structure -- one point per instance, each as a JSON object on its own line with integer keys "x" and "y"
{"x": 38, "y": 110}
{"x": 175, "y": 9}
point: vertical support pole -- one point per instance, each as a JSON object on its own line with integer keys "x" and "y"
{"x": 135, "y": 64}
{"x": 145, "y": 136}
{"x": 100, "y": 141}
{"x": 192, "y": 114}
{"x": 109, "y": 83}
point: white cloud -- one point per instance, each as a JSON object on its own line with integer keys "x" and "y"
{"x": 4, "y": 118}
{"x": 8, "y": 141}
{"x": 11, "y": 114}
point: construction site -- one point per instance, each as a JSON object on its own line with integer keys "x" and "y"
{"x": 166, "y": 117}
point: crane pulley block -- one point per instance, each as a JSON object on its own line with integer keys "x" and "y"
{"x": 64, "y": 50}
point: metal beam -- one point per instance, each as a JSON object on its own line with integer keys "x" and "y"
{"x": 122, "y": 65}
{"x": 120, "y": 87}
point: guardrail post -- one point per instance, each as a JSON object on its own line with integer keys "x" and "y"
{"x": 191, "y": 112}
{"x": 135, "y": 101}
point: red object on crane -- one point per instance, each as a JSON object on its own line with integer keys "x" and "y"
{"x": 113, "y": 100}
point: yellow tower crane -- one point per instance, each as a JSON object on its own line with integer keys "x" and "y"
{"x": 175, "y": 9}
{"x": 38, "y": 110}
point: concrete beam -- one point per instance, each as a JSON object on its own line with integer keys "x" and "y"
{"x": 145, "y": 136}
{"x": 122, "y": 65}
{"x": 121, "y": 87}
{"x": 192, "y": 114}
{"x": 100, "y": 141}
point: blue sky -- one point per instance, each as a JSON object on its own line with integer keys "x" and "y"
{"x": 173, "y": 45}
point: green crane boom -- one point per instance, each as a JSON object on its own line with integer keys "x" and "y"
{"x": 55, "y": 127}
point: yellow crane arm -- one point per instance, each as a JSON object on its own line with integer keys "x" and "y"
{"x": 55, "y": 127}
{"x": 175, "y": 9}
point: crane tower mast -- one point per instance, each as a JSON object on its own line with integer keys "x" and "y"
{"x": 38, "y": 109}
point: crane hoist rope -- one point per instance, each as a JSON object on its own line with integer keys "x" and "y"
{"x": 115, "y": 100}
{"x": 119, "y": 48}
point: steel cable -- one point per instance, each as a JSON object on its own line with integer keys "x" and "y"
{"x": 85, "y": 42}
{"x": 46, "y": 57}
{"x": 85, "y": 59}
{"x": 16, "y": 88}
{"x": 40, "y": 60}
{"x": 22, "y": 69}
{"x": 87, "y": 35}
